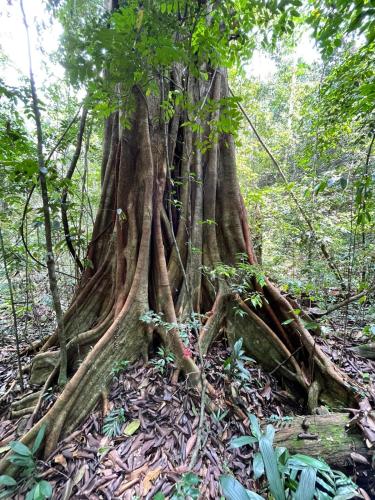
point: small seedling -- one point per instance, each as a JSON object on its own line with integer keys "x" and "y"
{"x": 219, "y": 415}
{"x": 119, "y": 366}
{"x": 366, "y": 377}
{"x": 234, "y": 365}
{"x": 187, "y": 487}
{"x": 369, "y": 330}
{"x": 286, "y": 476}
{"x": 165, "y": 358}
{"x": 113, "y": 423}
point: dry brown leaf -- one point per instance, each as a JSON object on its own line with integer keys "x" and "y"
{"x": 125, "y": 485}
{"x": 60, "y": 459}
{"x": 137, "y": 472}
{"x": 358, "y": 458}
{"x": 149, "y": 478}
{"x": 79, "y": 475}
{"x": 266, "y": 391}
{"x": 364, "y": 494}
{"x": 190, "y": 443}
{"x": 67, "y": 490}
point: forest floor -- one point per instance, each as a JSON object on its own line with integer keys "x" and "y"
{"x": 165, "y": 417}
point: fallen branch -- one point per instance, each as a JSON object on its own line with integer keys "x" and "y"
{"x": 334, "y": 439}
{"x": 347, "y": 301}
{"x": 365, "y": 350}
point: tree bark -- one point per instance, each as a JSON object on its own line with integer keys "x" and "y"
{"x": 326, "y": 436}
{"x": 366, "y": 350}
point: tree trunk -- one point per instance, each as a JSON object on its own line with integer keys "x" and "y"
{"x": 50, "y": 258}
{"x": 168, "y": 208}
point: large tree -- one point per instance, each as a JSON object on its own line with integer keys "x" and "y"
{"x": 171, "y": 241}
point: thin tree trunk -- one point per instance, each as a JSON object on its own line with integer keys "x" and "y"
{"x": 47, "y": 217}
{"x": 364, "y": 202}
{"x": 14, "y": 314}
{"x": 68, "y": 177}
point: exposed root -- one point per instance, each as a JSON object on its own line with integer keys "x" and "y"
{"x": 105, "y": 402}
{"x": 211, "y": 329}
{"x": 175, "y": 376}
{"x": 46, "y": 385}
{"x": 22, "y": 412}
{"x": 10, "y": 389}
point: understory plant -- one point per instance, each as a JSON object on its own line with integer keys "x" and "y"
{"x": 186, "y": 487}
{"x": 24, "y": 458}
{"x": 234, "y": 365}
{"x": 119, "y": 367}
{"x": 191, "y": 323}
{"x": 113, "y": 423}
{"x": 287, "y": 477}
{"x": 165, "y": 358}
{"x": 241, "y": 278}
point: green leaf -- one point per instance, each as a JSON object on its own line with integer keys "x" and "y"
{"x": 30, "y": 494}
{"x": 300, "y": 460}
{"x": 253, "y": 496}
{"x": 45, "y": 488}
{"x": 233, "y": 489}
{"x": 270, "y": 433}
{"x": 37, "y": 493}
{"x": 343, "y": 182}
{"x": 258, "y": 465}
{"x": 159, "y": 496}
{"x": 325, "y": 485}
{"x": 255, "y": 429}
{"x": 8, "y": 481}
{"x": 20, "y": 448}
{"x": 321, "y": 186}
{"x": 242, "y": 441}
{"x": 21, "y": 460}
{"x": 306, "y": 486}
{"x": 272, "y": 471}
{"x": 38, "y": 439}
{"x": 131, "y": 428}
{"x": 288, "y": 321}
{"x": 345, "y": 493}
{"x": 310, "y": 325}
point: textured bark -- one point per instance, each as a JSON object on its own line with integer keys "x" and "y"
{"x": 147, "y": 254}
{"x": 326, "y": 436}
{"x": 366, "y": 350}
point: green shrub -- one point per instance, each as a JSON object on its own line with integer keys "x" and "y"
{"x": 24, "y": 458}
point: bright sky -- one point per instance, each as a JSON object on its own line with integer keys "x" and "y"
{"x": 13, "y": 44}
{"x": 263, "y": 67}
{"x": 13, "y": 39}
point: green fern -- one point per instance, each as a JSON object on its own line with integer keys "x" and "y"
{"x": 113, "y": 423}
